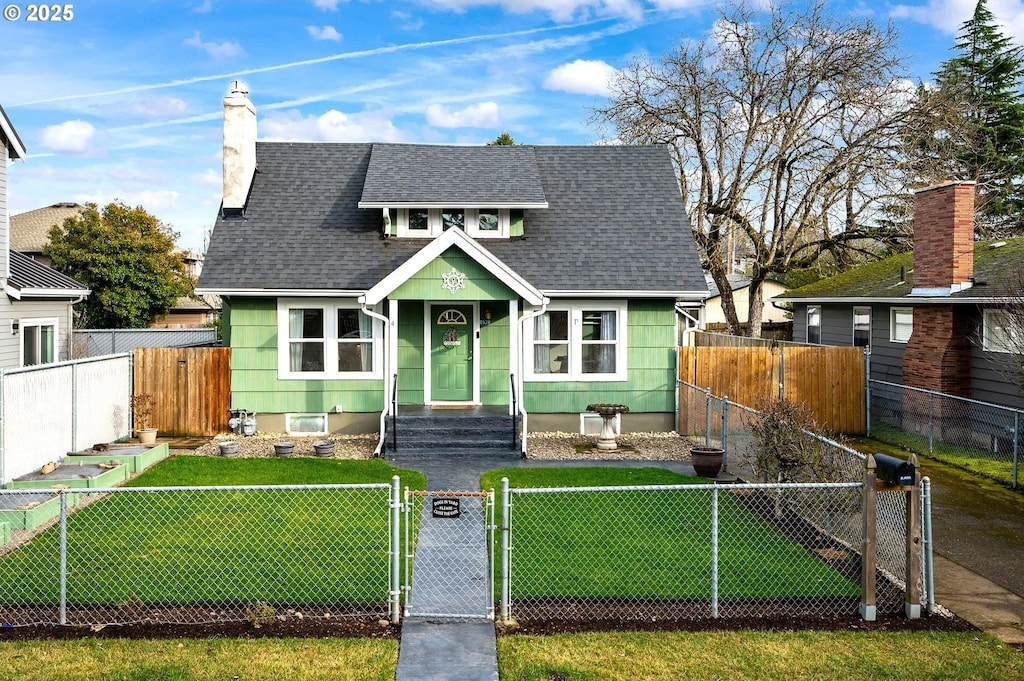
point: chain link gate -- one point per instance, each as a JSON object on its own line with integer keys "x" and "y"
{"x": 449, "y": 566}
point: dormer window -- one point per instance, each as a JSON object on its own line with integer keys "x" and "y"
{"x": 493, "y": 223}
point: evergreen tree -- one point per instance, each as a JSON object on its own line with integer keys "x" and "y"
{"x": 502, "y": 140}
{"x": 985, "y": 138}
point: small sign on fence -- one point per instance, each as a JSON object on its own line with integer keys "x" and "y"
{"x": 445, "y": 507}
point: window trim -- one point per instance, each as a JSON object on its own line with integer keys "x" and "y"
{"x": 37, "y": 322}
{"x": 1003, "y": 341}
{"x": 330, "y": 306}
{"x": 807, "y": 326}
{"x": 575, "y": 309}
{"x": 435, "y": 226}
{"x": 860, "y": 309}
{"x": 290, "y": 415}
{"x": 893, "y": 311}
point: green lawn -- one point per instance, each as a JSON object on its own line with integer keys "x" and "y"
{"x": 185, "y": 547}
{"x": 651, "y": 544}
{"x": 997, "y": 467}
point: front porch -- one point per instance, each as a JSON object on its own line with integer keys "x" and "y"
{"x": 444, "y": 429}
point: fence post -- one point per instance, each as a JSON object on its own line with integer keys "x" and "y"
{"x": 63, "y": 493}
{"x": 74, "y": 407}
{"x": 912, "y": 594}
{"x": 707, "y": 417}
{"x": 868, "y": 558}
{"x": 407, "y": 510}
{"x": 714, "y": 551}
{"x": 3, "y": 427}
{"x": 928, "y": 547}
{"x": 1017, "y": 444}
{"x": 782, "y": 371}
{"x": 395, "y": 585}
{"x": 867, "y": 390}
{"x": 506, "y": 525}
{"x": 725, "y": 433}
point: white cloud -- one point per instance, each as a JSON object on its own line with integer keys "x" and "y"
{"x": 323, "y": 33}
{"x": 560, "y": 10}
{"x": 204, "y": 7}
{"x": 326, "y": 5}
{"x": 159, "y": 107}
{"x": 949, "y": 15}
{"x": 210, "y": 177}
{"x": 70, "y": 137}
{"x": 482, "y": 115}
{"x": 222, "y": 50}
{"x": 583, "y": 77}
{"x": 332, "y": 126}
{"x": 406, "y": 21}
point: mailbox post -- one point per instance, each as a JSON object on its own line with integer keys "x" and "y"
{"x": 893, "y": 474}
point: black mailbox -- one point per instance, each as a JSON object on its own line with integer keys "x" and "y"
{"x": 894, "y": 472}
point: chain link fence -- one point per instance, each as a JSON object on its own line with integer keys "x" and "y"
{"x": 709, "y": 420}
{"x": 190, "y": 555}
{"x": 684, "y": 552}
{"x": 981, "y": 437}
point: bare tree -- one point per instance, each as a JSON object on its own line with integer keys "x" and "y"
{"x": 785, "y": 126}
{"x": 1002, "y": 334}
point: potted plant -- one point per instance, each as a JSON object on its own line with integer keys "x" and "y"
{"x": 143, "y": 405}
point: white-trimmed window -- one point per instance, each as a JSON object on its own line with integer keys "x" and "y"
{"x": 430, "y": 222}
{"x": 38, "y": 341}
{"x": 305, "y": 424}
{"x": 319, "y": 338}
{"x": 814, "y": 324}
{"x": 901, "y": 324}
{"x": 1002, "y": 331}
{"x": 579, "y": 341}
{"x": 861, "y": 327}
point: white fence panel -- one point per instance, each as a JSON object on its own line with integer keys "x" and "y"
{"x": 50, "y": 410}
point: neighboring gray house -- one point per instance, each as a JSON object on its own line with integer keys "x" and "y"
{"x": 30, "y": 231}
{"x": 484, "y": 276}
{"x": 933, "y": 317}
{"x": 35, "y": 307}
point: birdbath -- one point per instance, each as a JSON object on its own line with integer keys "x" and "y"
{"x": 607, "y": 412}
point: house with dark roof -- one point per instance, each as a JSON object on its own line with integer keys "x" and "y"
{"x": 35, "y": 308}
{"x": 935, "y": 318}
{"x": 30, "y": 231}
{"x": 363, "y": 279}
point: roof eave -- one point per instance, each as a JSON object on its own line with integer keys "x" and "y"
{"x": 453, "y": 204}
{"x": 625, "y": 293}
{"x": 279, "y": 292}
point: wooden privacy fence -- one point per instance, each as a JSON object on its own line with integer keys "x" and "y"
{"x": 192, "y": 387}
{"x": 828, "y": 381}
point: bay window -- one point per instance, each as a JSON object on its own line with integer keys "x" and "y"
{"x": 579, "y": 341}
{"x": 327, "y": 339}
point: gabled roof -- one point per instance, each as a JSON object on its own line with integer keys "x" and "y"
{"x": 30, "y": 231}
{"x": 424, "y": 176}
{"x": 615, "y": 225}
{"x": 737, "y": 282}
{"x": 15, "y": 147}
{"x": 30, "y": 279}
{"x": 880, "y": 281}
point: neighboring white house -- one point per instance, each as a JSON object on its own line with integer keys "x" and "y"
{"x": 35, "y": 307}
{"x": 741, "y": 297}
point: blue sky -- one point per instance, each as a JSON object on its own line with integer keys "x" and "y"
{"x": 123, "y": 101}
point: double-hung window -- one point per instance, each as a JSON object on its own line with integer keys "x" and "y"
{"x": 814, "y": 324}
{"x": 1002, "y": 331}
{"x": 38, "y": 341}
{"x": 901, "y": 324}
{"x": 579, "y": 341}
{"x": 861, "y": 327}
{"x": 327, "y": 339}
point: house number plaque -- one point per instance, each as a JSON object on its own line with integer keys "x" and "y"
{"x": 445, "y": 507}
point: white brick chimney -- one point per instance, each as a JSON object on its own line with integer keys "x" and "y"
{"x": 239, "y": 147}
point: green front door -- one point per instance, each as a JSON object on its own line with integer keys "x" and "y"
{"x": 451, "y": 353}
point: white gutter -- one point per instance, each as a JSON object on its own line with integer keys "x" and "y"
{"x": 624, "y": 293}
{"x": 387, "y": 374}
{"x": 281, "y": 292}
{"x": 519, "y": 374}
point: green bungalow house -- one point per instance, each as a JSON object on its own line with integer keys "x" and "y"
{"x": 364, "y": 283}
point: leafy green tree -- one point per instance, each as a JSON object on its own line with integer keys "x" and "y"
{"x": 502, "y": 140}
{"x": 128, "y": 259}
{"x": 974, "y": 127}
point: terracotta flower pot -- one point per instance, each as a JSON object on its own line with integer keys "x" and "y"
{"x": 707, "y": 461}
{"x": 147, "y": 436}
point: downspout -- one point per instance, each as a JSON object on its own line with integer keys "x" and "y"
{"x": 519, "y": 374}
{"x": 387, "y": 377}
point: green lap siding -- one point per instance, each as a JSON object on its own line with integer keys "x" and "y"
{"x": 479, "y": 283}
{"x": 651, "y": 367}
{"x": 254, "y": 381}
{"x": 410, "y": 352}
{"x": 494, "y": 358}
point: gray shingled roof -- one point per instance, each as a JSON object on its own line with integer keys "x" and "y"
{"x": 26, "y": 273}
{"x": 615, "y": 222}
{"x": 423, "y": 174}
{"x": 30, "y": 231}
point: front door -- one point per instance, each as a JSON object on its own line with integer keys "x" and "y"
{"x": 451, "y": 353}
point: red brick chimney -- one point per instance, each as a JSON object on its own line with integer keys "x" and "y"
{"x": 938, "y": 355}
{"x": 943, "y": 239}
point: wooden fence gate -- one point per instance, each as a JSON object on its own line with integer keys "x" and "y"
{"x": 192, "y": 387}
{"x": 829, "y": 381}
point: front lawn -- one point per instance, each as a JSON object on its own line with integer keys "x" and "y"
{"x": 650, "y": 544}
{"x": 251, "y": 547}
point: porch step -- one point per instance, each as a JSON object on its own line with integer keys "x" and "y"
{"x": 436, "y": 430}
